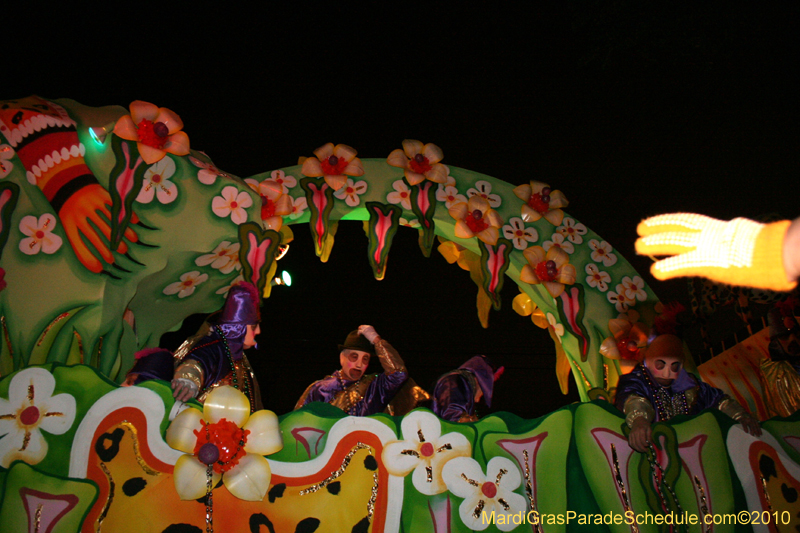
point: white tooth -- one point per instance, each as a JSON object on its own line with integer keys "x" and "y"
{"x": 83, "y": 149}
{"x": 16, "y": 138}
{"x": 34, "y": 122}
{"x": 27, "y": 127}
{"x": 31, "y": 177}
{"x": 40, "y": 123}
{"x": 56, "y": 157}
{"x": 74, "y": 150}
{"x": 51, "y": 120}
{"x": 48, "y": 162}
{"x": 36, "y": 171}
{"x": 64, "y": 154}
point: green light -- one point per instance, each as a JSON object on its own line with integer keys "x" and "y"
{"x": 287, "y": 278}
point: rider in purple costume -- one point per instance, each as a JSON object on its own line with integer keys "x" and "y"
{"x": 660, "y": 388}
{"x": 457, "y": 393}
{"x": 215, "y": 355}
{"x": 350, "y": 388}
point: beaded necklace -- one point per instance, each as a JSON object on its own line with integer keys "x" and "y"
{"x": 234, "y": 377}
{"x": 667, "y": 404}
{"x": 350, "y": 404}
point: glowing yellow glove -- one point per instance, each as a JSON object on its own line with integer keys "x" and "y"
{"x": 738, "y": 252}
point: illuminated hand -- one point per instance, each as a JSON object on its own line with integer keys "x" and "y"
{"x": 369, "y": 333}
{"x": 81, "y": 218}
{"x": 640, "y": 436}
{"x": 750, "y": 425}
{"x": 738, "y": 252}
{"x": 183, "y": 389}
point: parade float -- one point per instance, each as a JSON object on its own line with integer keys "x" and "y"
{"x": 113, "y": 231}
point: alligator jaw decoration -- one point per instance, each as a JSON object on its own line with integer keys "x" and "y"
{"x": 112, "y": 231}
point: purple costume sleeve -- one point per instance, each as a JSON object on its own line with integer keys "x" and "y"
{"x": 380, "y": 392}
{"x": 212, "y": 357}
{"x": 453, "y": 398}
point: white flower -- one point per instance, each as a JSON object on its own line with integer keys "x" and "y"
{"x": 287, "y": 182}
{"x": 350, "y": 192}
{"x": 572, "y": 230}
{"x": 224, "y": 290}
{"x": 208, "y": 173}
{"x": 493, "y": 492}
{"x": 634, "y": 288}
{"x": 602, "y": 252}
{"x": 518, "y": 234}
{"x": 597, "y": 278}
{"x": 402, "y": 195}
{"x": 40, "y": 235}
{"x": 484, "y": 190}
{"x": 156, "y": 182}
{"x": 619, "y": 299}
{"x": 449, "y": 195}
{"x": 557, "y": 240}
{"x": 557, "y": 328}
{"x": 425, "y": 451}
{"x": 233, "y": 203}
{"x": 224, "y": 258}
{"x": 299, "y": 205}
{"x": 30, "y": 409}
{"x": 185, "y": 287}
{"x": 6, "y": 153}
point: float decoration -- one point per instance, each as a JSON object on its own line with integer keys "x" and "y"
{"x": 334, "y": 164}
{"x": 572, "y": 309}
{"x": 319, "y": 195}
{"x": 9, "y": 194}
{"x": 494, "y": 263}
{"x": 541, "y": 201}
{"x": 476, "y": 219}
{"x": 156, "y": 130}
{"x": 274, "y": 203}
{"x": 419, "y": 162}
{"x": 423, "y": 204}
{"x": 384, "y": 220}
{"x": 257, "y": 253}
{"x": 127, "y": 176}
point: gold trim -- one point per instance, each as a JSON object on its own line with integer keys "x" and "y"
{"x": 55, "y": 321}
{"x": 339, "y": 471}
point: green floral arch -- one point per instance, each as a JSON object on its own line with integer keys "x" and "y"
{"x": 187, "y": 230}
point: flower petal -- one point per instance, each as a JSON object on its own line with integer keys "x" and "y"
{"x": 170, "y": 119}
{"x": 554, "y": 216}
{"x": 412, "y": 147}
{"x": 354, "y": 168}
{"x": 462, "y": 230}
{"x": 249, "y": 480}
{"x": 11, "y": 448}
{"x": 397, "y": 159}
{"x": 528, "y": 275}
{"x": 414, "y": 178}
{"x": 143, "y": 110}
{"x": 438, "y": 174}
{"x": 311, "y": 168}
{"x": 451, "y": 474}
{"x": 433, "y": 153}
{"x": 336, "y": 182}
{"x": 510, "y": 480}
{"x": 226, "y": 402}
{"x": 421, "y": 426}
{"x": 58, "y": 413}
{"x": 555, "y": 289}
{"x": 427, "y": 485}
{"x": 265, "y": 433}
{"x": 558, "y": 200}
{"x": 149, "y": 154}
{"x": 190, "y": 478}
{"x": 126, "y": 129}
{"x": 534, "y": 255}
{"x": 529, "y": 214}
{"x": 397, "y": 463}
{"x": 180, "y": 433}
{"x": 177, "y": 143}
{"x": 324, "y": 151}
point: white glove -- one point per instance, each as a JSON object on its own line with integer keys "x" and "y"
{"x": 369, "y": 333}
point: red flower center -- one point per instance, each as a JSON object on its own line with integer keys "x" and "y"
{"x": 628, "y": 348}
{"x": 150, "y": 134}
{"x": 419, "y": 164}
{"x": 39, "y": 235}
{"x": 489, "y": 489}
{"x": 156, "y": 178}
{"x": 29, "y": 416}
{"x": 475, "y": 221}
{"x": 333, "y": 166}
{"x": 229, "y": 440}
{"x": 544, "y": 273}
{"x": 537, "y": 203}
{"x": 234, "y": 204}
{"x": 426, "y": 450}
{"x": 267, "y": 208}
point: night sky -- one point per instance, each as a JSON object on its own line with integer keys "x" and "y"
{"x": 631, "y": 108}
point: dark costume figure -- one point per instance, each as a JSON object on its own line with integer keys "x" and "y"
{"x": 457, "y": 393}
{"x": 151, "y": 363}
{"x": 781, "y": 372}
{"x": 215, "y": 355}
{"x": 357, "y": 393}
{"x": 660, "y": 388}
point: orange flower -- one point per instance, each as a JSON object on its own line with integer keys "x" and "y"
{"x": 628, "y": 337}
{"x": 476, "y": 219}
{"x": 419, "y": 162}
{"x": 551, "y": 269}
{"x": 274, "y": 203}
{"x": 156, "y": 130}
{"x": 335, "y": 163}
{"x": 541, "y": 201}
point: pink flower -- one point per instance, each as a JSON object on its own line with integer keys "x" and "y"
{"x": 557, "y": 240}
{"x": 484, "y": 189}
{"x": 232, "y": 203}
{"x": 334, "y": 163}
{"x": 401, "y": 195}
{"x": 156, "y": 130}
{"x": 419, "y": 162}
{"x": 572, "y": 230}
{"x": 208, "y": 173}
{"x": 519, "y": 234}
{"x": 351, "y": 191}
{"x": 274, "y": 204}
{"x": 601, "y": 252}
